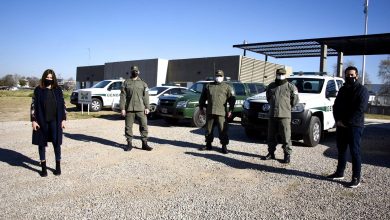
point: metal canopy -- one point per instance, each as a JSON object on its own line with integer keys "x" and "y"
{"x": 373, "y": 44}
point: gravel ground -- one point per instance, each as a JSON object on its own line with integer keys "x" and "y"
{"x": 176, "y": 181}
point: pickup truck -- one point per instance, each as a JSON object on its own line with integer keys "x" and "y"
{"x": 186, "y": 106}
{"x": 104, "y": 93}
{"x": 309, "y": 118}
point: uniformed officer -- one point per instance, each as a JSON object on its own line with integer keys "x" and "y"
{"x": 134, "y": 105}
{"x": 281, "y": 96}
{"x": 217, "y": 94}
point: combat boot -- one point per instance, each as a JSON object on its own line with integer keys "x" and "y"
{"x": 57, "y": 172}
{"x": 224, "y": 149}
{"x": 207, "y": 147}
{"x": 43, "y": 173}
{"x": 269, "y": 156}
{"x": 129, "y": 146}
{"x": 286, "y": 158}
{"x": 145, "y": 146}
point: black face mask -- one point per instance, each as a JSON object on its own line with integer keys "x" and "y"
{"x": 48, "y": 82}
{"x": 134, "y": 74}
{"x": 350, "y": 80}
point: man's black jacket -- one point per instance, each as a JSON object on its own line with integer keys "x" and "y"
{"x": 350, "y": 104}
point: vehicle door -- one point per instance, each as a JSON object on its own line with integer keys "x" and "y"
{"x": 330, "y": 93}
{"x": 113, "y": 93}
{"x": 240, "y": 94}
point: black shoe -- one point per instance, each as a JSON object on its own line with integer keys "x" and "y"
{"x": 269, "y": 156}
{"x": 335, "y": 176}
{"x": 129, "y": 146}
{"x": 286, "y": 158}
{"x": 354, "y": 183}
{"x": 145, "y": 146}
{"x": 207, "y": 147}
{"x": 43, "y": 173}
{"x": 57, "y": 172}
{"x": 224, "y": 149}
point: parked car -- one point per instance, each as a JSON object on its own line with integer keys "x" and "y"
{"x": 154, "y": 94}
{"x": 103, "y": 94}
{"x": 186, "y": 106}
{"x": 309, "y": 118}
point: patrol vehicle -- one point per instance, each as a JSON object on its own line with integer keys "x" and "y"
{"x": 186, "y": 107}
{"x": 309, "y": 118}
{"x": 104, "y": 93}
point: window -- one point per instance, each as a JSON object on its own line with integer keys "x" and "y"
{"x": 115, "y": 86}
{"x": 197, "y": 87}
{"x": 101, "y": 84}
{"x": 239, "y": 89}
{"x": 331, "y": 86}
{"x": 339, "y": 83}
{"x": 307, "y": 85}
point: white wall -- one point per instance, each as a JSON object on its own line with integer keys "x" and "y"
{"x": 162, "y": 68}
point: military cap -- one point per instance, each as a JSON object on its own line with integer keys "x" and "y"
{"x": 134, "y": 68}
{"x": 281, "y": 71}
{"x": 219, "y": 73}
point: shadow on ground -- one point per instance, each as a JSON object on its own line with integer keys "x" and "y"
{"x": 89, "y": 138}
{"x": 238, "y": 164}
{"x": 17, "y": 159}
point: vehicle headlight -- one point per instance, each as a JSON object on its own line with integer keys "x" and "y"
{"x": 246, "y": 104}
{"x": 300, "y": 107}
{"x": 181, "y": 104}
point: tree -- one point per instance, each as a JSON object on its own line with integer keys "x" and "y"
{"x": 9, "y": 80}
{"x": 384, "y": 74}
{"x": 22, "y": 82}
{"x": 33, "y": 81}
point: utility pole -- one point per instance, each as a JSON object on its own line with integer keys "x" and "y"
{"x": 365, "y": 33}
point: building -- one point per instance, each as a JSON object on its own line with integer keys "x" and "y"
{"x": 160, "y": 71}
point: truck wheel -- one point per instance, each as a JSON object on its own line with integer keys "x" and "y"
{"x": 96, "y": 105}
{"x": 198, "y": 119}
{"x": 152, "y": 114}
{"x": 313, "y": 137}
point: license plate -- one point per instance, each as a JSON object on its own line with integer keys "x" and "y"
{"x": 164, "y": 110}
{"x": 263, "y": 115}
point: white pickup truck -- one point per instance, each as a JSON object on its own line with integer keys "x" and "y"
{"x": 309, "y": 118}
{"x": 104, "y": 93}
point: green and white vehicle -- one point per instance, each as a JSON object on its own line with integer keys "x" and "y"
{"x": 104, "y": 93}
{"x": 186, "y": 107}
{"x": 309, "y": 118}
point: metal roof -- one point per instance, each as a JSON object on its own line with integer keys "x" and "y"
{"x": 373, "y": 44}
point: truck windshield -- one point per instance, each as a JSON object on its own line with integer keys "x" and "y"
{"x": 197, "y": 87}
{"x": 101, "y": 84}
{"x": 307, "y": 85}
{"x": 156, "y": 90}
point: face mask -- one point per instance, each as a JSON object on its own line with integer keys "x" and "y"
{"x": 219, "y": 79}
{"x": 350, "y": 80}
{"x": 280, "y": 77}
{"x": 134, "y": 74}
{"x": 48, "y": 82}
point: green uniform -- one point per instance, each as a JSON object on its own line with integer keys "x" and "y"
{"x": 281, "y": 96}
{"x": 134, "y": 99}
{"x": 217, "y": 96}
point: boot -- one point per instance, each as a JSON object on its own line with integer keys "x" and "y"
{"x": 269, "y": 156}
{"x": 207, "y": 147}
{"x": 145, "y": 146}
{"x": 224, "y": 149}
{"x": 286, "y": 158}
{"x": 43, "y": 173}
{"x": 57, "y": 172}
{"x": 129, "y": 146}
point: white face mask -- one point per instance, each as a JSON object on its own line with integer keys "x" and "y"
{"x": 280, "y": 77}
{"x": 218, "y": 79}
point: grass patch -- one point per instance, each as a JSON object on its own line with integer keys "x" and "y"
{"x": 375, "y": 116}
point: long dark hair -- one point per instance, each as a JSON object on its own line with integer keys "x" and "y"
{"x": 44, "y": 75}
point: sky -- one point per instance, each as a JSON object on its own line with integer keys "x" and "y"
{"x": 62, "y": 35}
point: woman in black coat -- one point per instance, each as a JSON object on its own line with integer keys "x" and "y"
{"x": 48, "y": 115}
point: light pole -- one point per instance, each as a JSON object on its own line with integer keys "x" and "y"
{"x": 365, "y": 33}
